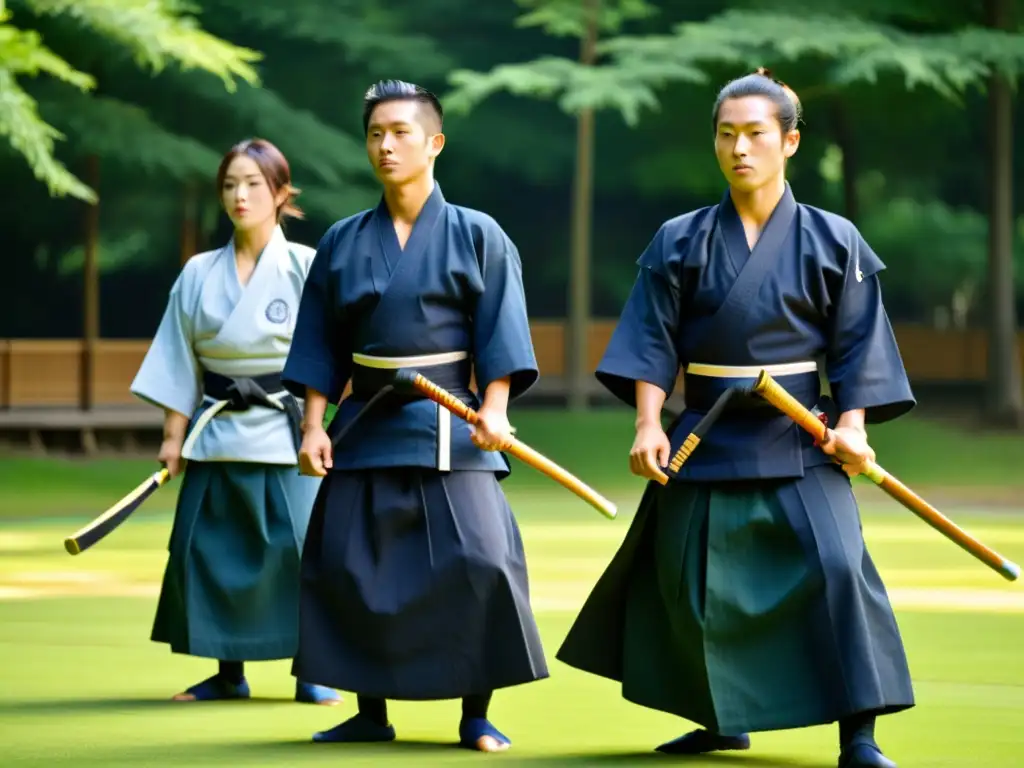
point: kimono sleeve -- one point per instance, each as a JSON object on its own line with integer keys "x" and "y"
{"x": 169, "y": 376}
{"x": 642, "y": 346}
{"x": 502, "y": 344}
{"x": 316, "y": 359}
{"x": 863, "y": 361}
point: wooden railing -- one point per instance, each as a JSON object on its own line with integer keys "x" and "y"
{"x": 47, "y": 372}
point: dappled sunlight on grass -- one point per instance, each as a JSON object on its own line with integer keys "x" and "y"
{"x": 77, "y": 660}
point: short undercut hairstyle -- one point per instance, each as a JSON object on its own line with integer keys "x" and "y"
{"x": 399, "y": 90}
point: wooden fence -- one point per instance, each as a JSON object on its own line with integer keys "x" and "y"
{"x": 47, "y": 373}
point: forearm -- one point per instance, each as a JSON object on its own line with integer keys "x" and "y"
{"x": 316, "y": 409}
{"x": 853, "y": 420}
{"x": 649, "y": 401}
{"x": 175, "y": 425}
{"x": 496, "y": 395}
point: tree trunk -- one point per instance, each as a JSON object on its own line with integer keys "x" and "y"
{"x": 846, "y": 138}
{"x": 1005, "y": 394}
{"x": 577, "y": 329}
{"x": 90, "y": 291}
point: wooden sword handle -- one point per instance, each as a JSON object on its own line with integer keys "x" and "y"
{"x": 774, "y": 393}
{"x": 100, "y": 527}
{"x": 520, "y": 450}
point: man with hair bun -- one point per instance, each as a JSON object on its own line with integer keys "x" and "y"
{"x": 414, "y": 581}
{"x": 743, "y": 598}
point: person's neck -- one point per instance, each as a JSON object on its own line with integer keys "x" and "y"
{"x": 249, "y": 243}
{"x": 405, "y": 201}
{"x": 758, "y": 204}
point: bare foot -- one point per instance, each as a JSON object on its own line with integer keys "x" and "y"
{"x": 490, "y": 744}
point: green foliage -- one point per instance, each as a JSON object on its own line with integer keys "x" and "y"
{"x": 359, "y": 31}
{"x": 156, "y": 32}
{"x": 30, "y": 136}
{"x": 859, "y": 43}
{"x": 124, "y": 133}
{"x": 687, "y": 166}
{"x": 152, "y": 124}
{"x": 857, "y": 49}
{"x": 574, "y": 86}
{"x": 317, "y": 55}
{"x": 113, "y": 251}
{"x": 568, "y": 18}
{"x": 935, "y": 253}
{"x": 633, "y": 67}
{"x": 909, "y": 15}
{"x": 334, "y": 156}
{"x": 23, "y": 53}
{"x": 333, "y": 202}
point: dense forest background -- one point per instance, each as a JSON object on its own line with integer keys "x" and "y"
{"x": 580, "y": 125}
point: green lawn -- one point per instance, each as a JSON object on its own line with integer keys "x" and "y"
{"x": 83, "y": 685}
{"x": 595, "y": 446}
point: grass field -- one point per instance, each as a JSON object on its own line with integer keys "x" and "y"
{"x": 82, "y": 685}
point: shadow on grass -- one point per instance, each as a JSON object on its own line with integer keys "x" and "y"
{"x": 406, "y": 752}
{"x": 292, "y": 752}
{"x": 644, "y": 758}
{"x": 128, "y": 705}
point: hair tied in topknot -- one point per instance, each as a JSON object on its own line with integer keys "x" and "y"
{"x": 762, "y": 82}
{"x": 765, "y": 72}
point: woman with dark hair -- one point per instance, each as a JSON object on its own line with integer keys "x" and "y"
{"x": 743, "y": 597}
{"x": 231, "y": 586}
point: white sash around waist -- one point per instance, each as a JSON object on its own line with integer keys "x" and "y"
{"x": 750, "y": 371}
{"x": 413, "y": 361}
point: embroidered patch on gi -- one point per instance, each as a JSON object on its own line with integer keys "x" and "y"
{"x": 277, "y": 311}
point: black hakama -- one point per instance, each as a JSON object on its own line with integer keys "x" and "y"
{"x": 414, "y": 586}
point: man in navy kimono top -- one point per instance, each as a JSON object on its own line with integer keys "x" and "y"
{"x": 414, "y": 581}
{"x": 743, "y": 597}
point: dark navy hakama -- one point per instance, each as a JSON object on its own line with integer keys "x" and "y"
{"x": 231, "y": 586}
{"x": 747, "y": 606}
{"x": 414, "y": 580}
{"x": 743, "y": 597}
{"x": 415, "y": 587}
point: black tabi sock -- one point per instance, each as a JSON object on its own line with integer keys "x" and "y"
{"x": 476, "y": 706}
{"x": 859, "y": 727}
{"x": 232, "y": 671}
{"x": 374, "y": 709}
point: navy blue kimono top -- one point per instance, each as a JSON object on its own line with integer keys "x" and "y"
{"x": 455, "y": 287}
{"x": 808, "y": 292}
